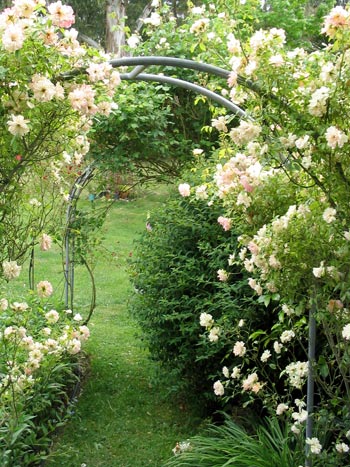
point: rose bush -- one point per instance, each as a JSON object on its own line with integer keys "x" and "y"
{"x": 47, "y": 107}
{"x": 39, "y": 370}
{"x": 281, "y": 178}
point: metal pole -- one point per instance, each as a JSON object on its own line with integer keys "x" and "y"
{"x": 192, "y": 87}
{"x": 310, "y": 381}
{"x": 67, "y": 264}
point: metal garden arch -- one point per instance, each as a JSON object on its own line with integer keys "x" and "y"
{"x": 140, "y": 64}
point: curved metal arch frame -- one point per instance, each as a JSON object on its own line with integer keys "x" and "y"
{"x": 140, "y": 64}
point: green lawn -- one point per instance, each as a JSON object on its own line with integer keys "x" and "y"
{"x": 123, "y": 418}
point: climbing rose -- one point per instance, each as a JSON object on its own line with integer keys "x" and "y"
{"x": 11, "y": 269}
{"x": 346, "y": 332}
{"x": 44, "y": 289}
{"x": 315, "y": 445}
{"x": 184, "y": 189}
{"x": 222, "y": 275}
{"x": 281, "y": 408}
{"x": 17, "y": 126}
{"x": 219, "y": 389}
{"x": 239, "y": 349}
{"x": 13, "y": 38}
{"x": 329, "y": 215}
{"x": 225, "y": 222}
{"x": 206, "y": 319}
{"x": 61, "y": 15}
{"x": 45, "y": 242}
{"x": 52, "y": 316}
{"x": 335, "y": 137}
{"x": 342, "y": 447}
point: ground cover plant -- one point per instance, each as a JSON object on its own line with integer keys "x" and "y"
{"x": 230, "y": 444}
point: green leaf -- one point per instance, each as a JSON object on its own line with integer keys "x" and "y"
{"x": 256, "y": 334}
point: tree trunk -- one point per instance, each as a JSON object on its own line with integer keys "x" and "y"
{"x": 145, "y": 14}
{"x": 115, "y": 22}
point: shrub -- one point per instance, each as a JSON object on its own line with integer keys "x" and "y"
{"x": 175, "y": 274}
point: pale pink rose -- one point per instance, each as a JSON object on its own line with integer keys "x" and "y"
{"x": 199, "y": 26}
{"x": 255, "y": 285}
{"x": 104, "y": 108}
{"x": 239, "y": 349}
{"x": 329, "y": 215}
{"x": 44, "y": 289}
{"x": 245, "y": 183}
{"x": 52, "y": 316}
{"x": 276, "y": 60}
{"x": 13, "y": 38}
{"x": 43, "y": 89}
{"x": 245, "y": 133}
{"x": 17, "y": 125}
{"x": 253, "y": 248}
{"x": 84, "y": 332}
{"x": 219, "y": 123}
{"x": 225, "y": 222}
{"x": 281, "y": 408}
{"x": 346, "y": 332}
{"x": 219, "y": 389}
{"x": 184, "y": 189}
{"x": 214, "y": 334}
{"x": 315, "y": 445}
{"x": 338, "y": 18}
{"x": 98, "y": 71}
{"x": 82, "y": 98}
{"x": 222, "y": 275}
{"x": 114, "y": 79}
{"x": 133, "y": 41}
{"x": 19, "y": 306}
{"x": 11, "y": 270}
{"x": 24, "y": 8}
{"x": 335, "y": 137}
{"x": 61, "y": 15}
{"x": 250, "y": 382}
{"x": 342, "y": 447}
{"x": 232, "y": 79}
{"x": 74, "y": 346}
{"x": 45, "y": 242}
{"x": 256, "y": 387}
{"x": 49, "y": 36}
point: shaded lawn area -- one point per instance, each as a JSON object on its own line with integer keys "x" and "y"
{"x": 123, "y": 418}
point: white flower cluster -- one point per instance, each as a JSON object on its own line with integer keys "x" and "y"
{"x": 297, "y": 372}
{"x": 206, "y": 320}
{"x": 30, "y": 347}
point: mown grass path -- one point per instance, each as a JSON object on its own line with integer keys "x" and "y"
{"x": 122, "y": 418}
